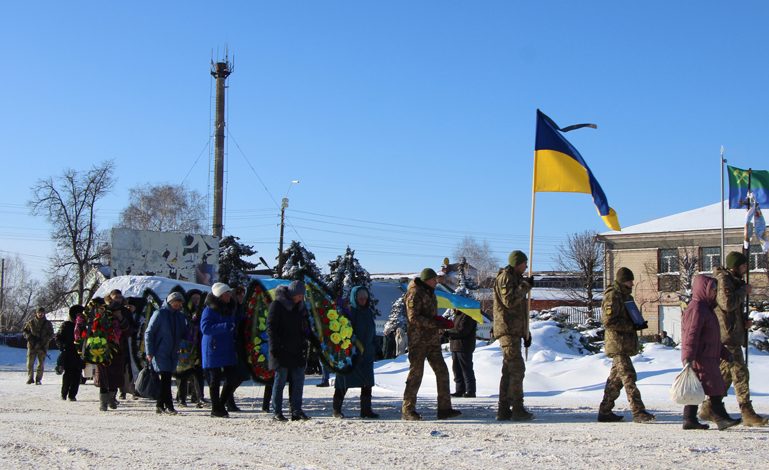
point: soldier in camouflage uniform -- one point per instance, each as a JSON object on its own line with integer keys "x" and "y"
{"x": 621, "y": 342}
{"x": 730, "y": 310}
{"x": 511, "y": 325}
{"x": 424, "y": 335}
{"x": 38, "y": 332}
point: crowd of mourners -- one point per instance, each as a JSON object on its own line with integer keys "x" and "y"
{"x": 713, "y": 334}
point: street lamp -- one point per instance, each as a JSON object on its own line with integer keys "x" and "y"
{"x": 283, "y": 207}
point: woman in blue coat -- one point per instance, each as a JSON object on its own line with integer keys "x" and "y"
{"x": 218, "y": 324}
{"x": 162, "y": 339}
{"x": 362, "y": 373}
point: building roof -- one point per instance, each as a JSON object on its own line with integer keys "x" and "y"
{"x": 703, "y": 218}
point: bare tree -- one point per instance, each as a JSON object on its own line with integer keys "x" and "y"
{"x": 69, "y": 204}
{"x": 164, "y": 208}
{"x": 479, "y": 256}
{"x": 582, "y": 254}
{"x": 18, "y": 296}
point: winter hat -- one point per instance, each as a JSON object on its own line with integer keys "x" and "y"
{"x": 517, "y": 257}
{"x": 296, "y": 288}
{"x": 735, "y": 259}
{"x": 427, "y": 274}
{"x": 74, "y": 311}
{"x": 219, "y": 289}
{"x": 624, "y": 275}
{"x": 175, "y": 296}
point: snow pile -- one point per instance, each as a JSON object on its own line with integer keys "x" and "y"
{"x": 134, "y": 286}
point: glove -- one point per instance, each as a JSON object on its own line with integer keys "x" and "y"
{"x": 527, "y": 341}
{"x": 529, "y": 280}
{"x": 642, "y": 326}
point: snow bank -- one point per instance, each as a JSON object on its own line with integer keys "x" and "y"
{"x": 134, "y": 286}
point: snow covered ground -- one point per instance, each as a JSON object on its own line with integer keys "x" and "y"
{"x": 563, "y": 389}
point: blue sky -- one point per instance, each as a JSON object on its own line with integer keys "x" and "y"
{"x": 409, "y": 123}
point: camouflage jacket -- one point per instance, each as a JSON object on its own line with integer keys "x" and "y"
{"x": 730, "y": 308}
{"x": 511, "y": 309}
{"x": 620, "y": 336}
{"x": 39, "y": 333}
{"x": 421, "y": 309}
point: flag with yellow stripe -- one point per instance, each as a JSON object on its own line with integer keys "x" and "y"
{"x": 558, "y": 167}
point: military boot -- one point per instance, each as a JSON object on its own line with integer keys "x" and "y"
{"x": 643, "y": 417}
{"x": 706, "y": 411}
{"x": 450, "y": 413}
{"x": 609, "y": 417}
{"x": 113, "y": 403}
{"x": 103, "y": 401}
{"x": 521, "y": 414}
{"x": 411, "y": 415}
{"x": 749, "y": 416}
{"x": 722, "y": 418}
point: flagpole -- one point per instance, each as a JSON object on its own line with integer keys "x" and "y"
{"x": 746, "y": 250}
{"x": 531, "y": 243}
{"x": 723, "y": 243}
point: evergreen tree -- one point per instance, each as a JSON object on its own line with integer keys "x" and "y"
{"x": 232, "y": 263}
{"x": 397, "y": 316}
{"x": 299, "y": 262}
{"x": 346, "y": 273}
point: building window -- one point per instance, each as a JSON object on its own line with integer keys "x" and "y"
{"x": 757, "y": 258}
{"x": 711, "y": 258}
{"x": 668, "y": 260}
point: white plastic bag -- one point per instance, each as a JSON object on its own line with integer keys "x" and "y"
{"x": 686, "y": 388}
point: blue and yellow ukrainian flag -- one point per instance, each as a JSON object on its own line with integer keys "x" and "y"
{"x": 558, "y": 167}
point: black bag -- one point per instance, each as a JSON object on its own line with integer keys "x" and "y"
{"x": 148, "y": 383}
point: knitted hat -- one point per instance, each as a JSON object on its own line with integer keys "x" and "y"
{"x": 517, "y": 257}
{"x": 734, "y": 259}
{"x": 624, "y": 275}
{"x": 220, "y": 288}
{"x": 175, "y": 296}
{"x": 427, "y": 274}
{"x": 296, "y": 288}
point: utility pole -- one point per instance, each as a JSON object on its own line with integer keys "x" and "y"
{"x": 283, "y": 207}
{"x": 220, "y": 71}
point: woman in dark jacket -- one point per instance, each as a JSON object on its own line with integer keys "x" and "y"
{"x": 109, "y": 376}
{"x": 362, "y": 374}
{"x": 702, "y": 349}
{"x": 462, "y": 346}
{"x": 218, "y": 325}
{"x": 69, "y": 359}
{"x": 287, "y": 329}
{"x": 162, "y": 339}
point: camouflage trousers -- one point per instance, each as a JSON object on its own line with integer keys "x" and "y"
{"x": 736, "y": 372}
{"x": 622, "y": 374}
{"x": 417, "y": 356}
{"x": 31, "y": 356}
{"x": 511, "y": 383}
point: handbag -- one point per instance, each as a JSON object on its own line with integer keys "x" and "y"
{"x": 148, "y": 383}
{"x": 686, "y": 388}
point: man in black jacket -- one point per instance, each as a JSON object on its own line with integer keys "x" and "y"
{"x": 69, "y": 359}
{"x": 287, "y": 329}
{"x": 462, "y": 346}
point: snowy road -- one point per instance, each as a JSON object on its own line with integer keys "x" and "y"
{"x": 38, "y": 430}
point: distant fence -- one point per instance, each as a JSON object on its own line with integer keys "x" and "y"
{"x": 577, "y": 315}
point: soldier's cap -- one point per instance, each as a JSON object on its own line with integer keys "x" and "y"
{"x": 40, "y": 310}
{"x": 735, "y": 259}
{"x": 517, "y": 257}
{"x": 427, "y": 274}
{"x": 624, "y": 275}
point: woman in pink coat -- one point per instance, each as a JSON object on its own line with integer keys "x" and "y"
{"x": 701, "y": 348}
